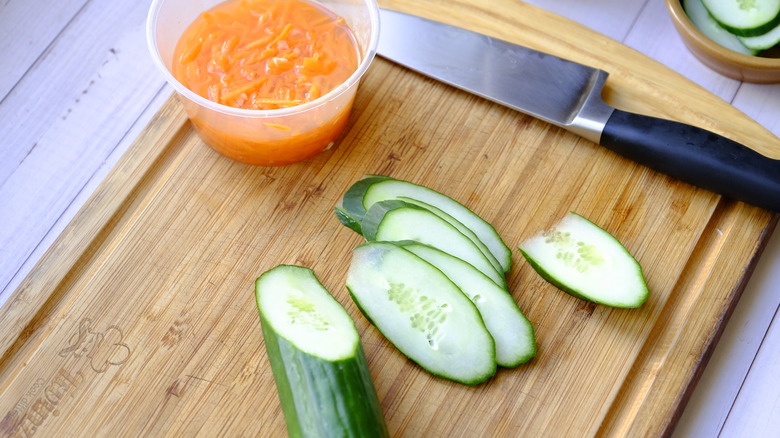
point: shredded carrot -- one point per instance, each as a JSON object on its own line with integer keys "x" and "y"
{"x": 265, "y": 54}
{"x": 192, "y": 52}
{"x": 246, "y": 88}
{"x": 258, "y": 43}
{"x": 230, "y": 44}
{"x": 280, "y": 102}
{"x": 282, "y": 35}
{"x": 278, "y": 126}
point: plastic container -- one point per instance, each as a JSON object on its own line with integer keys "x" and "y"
{"x": 264, "y": 137}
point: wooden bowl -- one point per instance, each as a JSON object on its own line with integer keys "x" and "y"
{"x": 758, "y": 69}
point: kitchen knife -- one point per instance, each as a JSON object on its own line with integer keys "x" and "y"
{"x": 568, "y": 94}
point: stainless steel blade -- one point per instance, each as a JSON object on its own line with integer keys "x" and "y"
{"x": 561, "y": 92}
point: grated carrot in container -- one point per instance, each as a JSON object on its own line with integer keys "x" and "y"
{"x": 265, "y": 54}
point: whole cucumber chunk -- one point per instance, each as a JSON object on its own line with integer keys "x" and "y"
{"x": 319, "y": 366}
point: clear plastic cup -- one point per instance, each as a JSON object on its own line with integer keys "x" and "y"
{"x": 264, "y": 137}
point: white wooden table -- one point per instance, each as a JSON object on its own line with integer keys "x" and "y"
{"x": 77, "y": 86}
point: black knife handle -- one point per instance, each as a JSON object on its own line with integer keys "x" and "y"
{"x": 695, "y": 156}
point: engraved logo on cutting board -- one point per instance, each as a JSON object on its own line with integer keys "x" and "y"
{"x": 101, "y": 349}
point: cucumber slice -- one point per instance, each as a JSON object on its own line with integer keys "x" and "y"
{"x": 711, "y": 29}
{"x": 762, "y": 42}
{"x": 511, "y": 330}
{"x": 460, "y": 227}
{"x": 745, "y": 17}
{"x": 318, "y": 362}
{"x": 399, "y": 220}
{"x": 422, "y": 312}
{"x": 374, "y": 188}
{"x": 587, "y": 262}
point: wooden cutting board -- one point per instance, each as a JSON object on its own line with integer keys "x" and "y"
{"x": 141, "y": 321}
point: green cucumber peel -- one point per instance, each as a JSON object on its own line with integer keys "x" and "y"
{"x": 762, "y": 42}
{"x": 347, "y": 219}
{"x": 350, "y": 209}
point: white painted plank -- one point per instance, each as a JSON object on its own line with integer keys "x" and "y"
{"x": 65, "y": 74}
{"x": 102, "y": 100}
{"x": 621, "y": 13}
{"x": 83, "y": 195}
{"x": 26, "y": 31}
{"x": 762, "y": 103}
{"x": 755, "y": 413}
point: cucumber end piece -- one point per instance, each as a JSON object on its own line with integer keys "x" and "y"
{"x": 318, "y": 363}
{"x": 351, "y": 203}
{"x": 347, "y": 219}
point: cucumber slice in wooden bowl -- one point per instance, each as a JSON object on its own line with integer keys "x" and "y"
{"x": 421, "y": 312}
{"x": 511, "y": 330}
{"x": 396, "y": 220}
{"x": 584, "y": 260}
{"x": 762, "y": 42}
{"x": 359, "y": 198}
{"x": 745, "y": 17}
{"x": 701, "y": 18}
{"x": 319, "y": 366}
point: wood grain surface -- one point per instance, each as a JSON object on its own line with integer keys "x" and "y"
{"x": 141, "y": 321}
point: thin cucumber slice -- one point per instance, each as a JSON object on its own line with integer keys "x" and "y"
{"x": 460, "y": 227}
{"x": 762, "y": 42}
{"x": 422, "y": 312}
{"x": 319, "y": 366}
{"x": 398, "y": 220}
{"x": 711, "y": 29}
{"x": 587, "y": 262}
{"x": 374, "y": 188}
{"x": 511, "y": 330}
{"x": 745, "y": 17}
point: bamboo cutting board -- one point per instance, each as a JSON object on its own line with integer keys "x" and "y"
{"x": 141, "y": 321}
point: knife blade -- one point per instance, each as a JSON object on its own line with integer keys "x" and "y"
{"x": 568, "y": 94}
